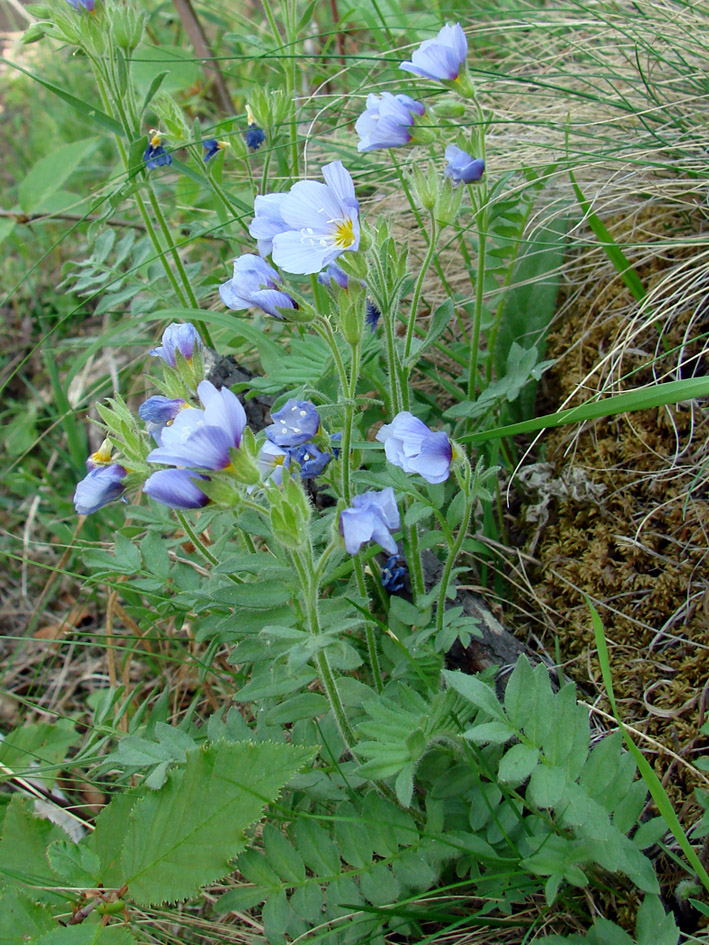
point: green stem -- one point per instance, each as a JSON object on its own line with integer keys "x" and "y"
{"x": 481, "y": 221}
{"x": 450, "y": 560}
{"x": 428, "y": 259}
{"x": 413, "y": 558}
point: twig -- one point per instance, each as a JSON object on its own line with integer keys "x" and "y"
{"x": 198, "y": 38}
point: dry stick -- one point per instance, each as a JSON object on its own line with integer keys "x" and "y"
{"x": 199, "y": 41}
{"x": 53, "y": 576}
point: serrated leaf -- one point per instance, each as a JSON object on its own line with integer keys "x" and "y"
{"x": 108, "y": 836}
{"x": 184, "y": 835}
{"x": 22, "y": 920}
{"x": 517, "y": 764}
{"x": 23, "y": 847}
{"x": 76, "y": 864}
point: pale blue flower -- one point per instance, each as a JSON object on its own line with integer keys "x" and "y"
{"x": 333, "y": 276}
{"x": 101, "y": 485}
{"x": 295, "y": 423}
{"x": 158, "y": 412}
{"x": 271, "y": 461}
{"x": 202, "y": 439}
{"x": 322, "y": 221}
{"x": 411, "y": 445}
{"x": 373, "y": 516}
{"x": 254, "y": 284}
{"x": 462, "y": 167}
{"x": 177, "y": 337}
{"x": 388, "y": 121}
{"x": 176, "y": 488}
{"x": 440, "y": 58}
{"x": 267, "y": 221}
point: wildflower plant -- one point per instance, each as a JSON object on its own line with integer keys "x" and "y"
{"x": 382, "y": 774}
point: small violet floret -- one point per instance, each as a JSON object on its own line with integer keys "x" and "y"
{"x": 176, "y": 488}
{"x": 373, "y": 516}
{"x": 158, "y": 412}
{"x": 212, "y": 147}
{"x": 411, "y": 445}
{"x": 155, "y": 154}
{"x": 294, "y": 424}
{"x": 462, "y": 168}
{"x": 311, "y": 225}
{"x": 393, "y": 575}
{"x": 387, "y": 121}
{"x": 86, "y": 4}
{"x": 202, "y": 439}
{"x": 254, "y": 284}
{"x": 101, "y": 485}
{"x": 312, "y": 460}
{"x": 440, "y": 58}
{"x": 177, "y": 337}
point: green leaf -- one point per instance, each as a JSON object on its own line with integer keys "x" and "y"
{"x": 276, "y": 915}
{"x": 87, "y": 933}
{"x": 317, "y": 849}
{"x": 307, "y": 901}
{"x": 87, "y": 112}
{"x": 36, "y": 745}
{"x": 74, "y": 863}
{"x": 7, "y": 225}
{"x": 239, "y": 899}
{"x": 379, "y": 885}
{"x": 258, "y": 596}
{"x": 282, "y": 856}
{"x": 23, "y": 847}
{"x": 673, "y": 392}
{"x": 546, "y": 786}
{"x": 108, "y": 836}
{"x": 475, "y": 691}
{"x": 157, "y": 81}
{"x": 652, "y": 926}
{"x": 352, "y": 837}
{"x": 184, "y": 835}
{"x": 22, "y": 920}
{"x": 50, "y": 172}
{"x": 490, "y": 733}
{"x": 517, "y": 764}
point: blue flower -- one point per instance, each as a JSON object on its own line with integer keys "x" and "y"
{"x": 212, "y": 147}
{"x": 373, "y": 315}
{"x": 312, "y": 224}
{"x": 202, "y": 439}
{"x": 101, "y": 485}
{"x": 254, "y": 136}
{"x": 409, "y": 444}
{"x": 335, "y": 438}
{"x": 86, "y": 4}
{"x": 158, "y": 412}
{"x": 254, "y": 285}
{"x": 387, "y": 122}
{"x": 332, "y": 276}
{"x": 312, "y": 460}
{"x": 294, "y": 424}
{"x": 177, "y": 337}
{"x": 461, "y": 167}
{"x": 271, "y": 461}
{"x": 176, "y": 488}
{"x": 155, "y": 154}
{"x": 371, "y": 517}
{"x": 440, "y": 58}
{"x": 393, "y": 575}
{"x": 267, "y": 221}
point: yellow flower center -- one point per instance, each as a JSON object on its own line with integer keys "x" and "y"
{"x": 102, "y": 456}
{"x": 155, "y": 141}
{"x": 344, "y": 234}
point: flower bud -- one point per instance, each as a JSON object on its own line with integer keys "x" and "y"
{"x": 244, "y": 466}
{"x": 290, "y": 513}
{"x": 425, "y": 187}
{"x": 127, "y": 25}
{"x": 448, "y": 108}
{"x": 448, "y": 205}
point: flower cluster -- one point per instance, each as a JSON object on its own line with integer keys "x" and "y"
{"x": 289, "y": 438}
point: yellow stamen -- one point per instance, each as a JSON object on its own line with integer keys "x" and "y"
{"x": 155, "y": 139}
{"x": 102, "y": 456}
{"x": 344, "y": 234}
{"x": 250, "y": 116}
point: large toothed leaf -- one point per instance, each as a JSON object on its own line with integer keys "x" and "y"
{"x": 184, "y": 835}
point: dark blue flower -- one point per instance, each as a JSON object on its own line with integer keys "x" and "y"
{"x": 254, "y": 136}
{"x": 335, "y": 438}
{"x": 371, "y": 517}
{"x": 440, "y": 58}
{"x": 212, "y": 147}
{"x": 176, "y": 488}
{"x": 100, "y": 485}
{"x": 411, "y": 445}
{"x": 393, "y": 574}
{"x": 177, "y": 337}
{"x": 294, "y": 424}
{"x": 461, "y": 167}
{"x": 332, "y": 276}
{"x": 387, "y": 121}
{"x": 373, "y": 315}
{"x": 312, "y": 460}
{"x": 255, "y": 285}
{"x": 155, "y": 154}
